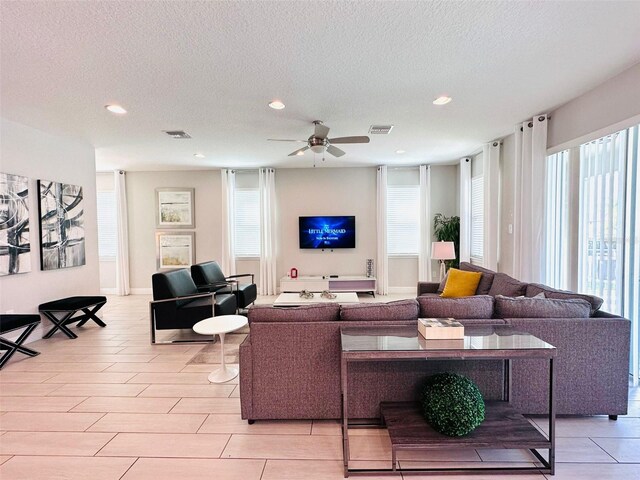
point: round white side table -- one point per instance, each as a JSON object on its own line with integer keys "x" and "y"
{"x": 219, "y": 326}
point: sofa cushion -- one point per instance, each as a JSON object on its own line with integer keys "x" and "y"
{"x": 461, "y": 284}
{"x": 525, "y": 307}
{"x": 398, "y": 310}
{"x": 508, "y": 286}
{"x": 487, "y": 277}
{"x": 316, "y": 312}
{"x": 534, "y": 289}
{"x": 477, "y": 306}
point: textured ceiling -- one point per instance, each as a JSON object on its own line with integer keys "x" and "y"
{"x": 210, "y": 68}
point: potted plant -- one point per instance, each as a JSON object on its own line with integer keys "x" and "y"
{"x": 447, "y": 229}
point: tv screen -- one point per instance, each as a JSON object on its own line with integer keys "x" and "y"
{"x": 328, "y": 232}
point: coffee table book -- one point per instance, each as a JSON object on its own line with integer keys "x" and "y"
{"x": 440, "y": 328}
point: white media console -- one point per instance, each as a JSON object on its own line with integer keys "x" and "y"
{"x": 318, "y": 283}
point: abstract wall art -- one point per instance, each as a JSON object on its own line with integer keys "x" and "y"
{"x": 175, "y": 250}
{"x": 15, "y": 245}
{"x": 175, "y": 208}
{"x": 61, "y": 225}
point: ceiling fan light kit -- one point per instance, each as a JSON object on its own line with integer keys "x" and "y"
{"x": 319, "y": 143}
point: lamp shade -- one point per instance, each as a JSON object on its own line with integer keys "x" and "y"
{"x": 443, "y": 251}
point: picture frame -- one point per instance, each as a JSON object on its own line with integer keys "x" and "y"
{"x": 15, "y": 231}
{"x": 175, "y": 250}
{"x": 175, "y": 208}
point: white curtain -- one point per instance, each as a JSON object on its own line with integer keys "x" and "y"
{"x": 529, "y": 199}
{"x": 122, "y": 234}
{"x": 465, "y": 210}
{"x": 228, "y": 261}
{"x": 267, "y": 187}
{"x": 424, "y": 256}
{"x": 491, "y": 214}
{"x": 382, "y": 271}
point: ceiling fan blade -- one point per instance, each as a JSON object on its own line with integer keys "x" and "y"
{"x": 363, "y": 139}
{"x": 321, "y": 131}
{"x": 297, "y": 152}
{"x": 283, "y": 140}
{"x": 335, "y": 151}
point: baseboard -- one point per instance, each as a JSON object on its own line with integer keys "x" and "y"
{"x": 141, "y": 291}
{"x": 108, "y": 291}
{"x": 402, "y": 289}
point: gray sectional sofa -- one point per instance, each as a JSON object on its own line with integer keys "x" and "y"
{"x": 290, "y": 362}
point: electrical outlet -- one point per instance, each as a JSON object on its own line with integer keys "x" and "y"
{"x": 511, "y": 229}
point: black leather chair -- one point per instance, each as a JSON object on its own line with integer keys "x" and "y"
{"x": 209, "y": 278}
{"x": 177, "y": 303}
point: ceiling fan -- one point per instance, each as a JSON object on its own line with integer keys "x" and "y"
{"x": 318, "y": 142}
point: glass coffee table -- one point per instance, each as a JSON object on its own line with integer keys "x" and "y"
{"x": 503, "y": 427}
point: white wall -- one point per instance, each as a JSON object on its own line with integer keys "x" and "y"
{"x": 444, "y": 199}
{"x": 613, "y": 101}
{"x": 141, "y": 199}
{"x": 39, "y": 155}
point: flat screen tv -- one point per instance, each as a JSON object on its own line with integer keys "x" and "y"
{"x": 327, "y": 232}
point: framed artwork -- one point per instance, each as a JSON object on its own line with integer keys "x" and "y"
{"x": 175, "y": 208}
{"x": 175, "y": 250}
{"x": 61, "y": 225}
{"x": 15, "y": 244}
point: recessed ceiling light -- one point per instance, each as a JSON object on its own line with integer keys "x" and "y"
{"x": 300, "y": 153}
{"x": 117, "y": 109}
{"x": 198, "y": 155}
{"x": 277, "y": 105}
{"x": 442, "y": 100}
{"x": 400, "y": 152}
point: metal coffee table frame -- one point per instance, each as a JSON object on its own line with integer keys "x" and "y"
{"x": 507, "y": 355}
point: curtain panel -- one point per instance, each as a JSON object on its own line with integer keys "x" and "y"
{"x": 529, "y": 199}
{"x": 122, "y": 234}
{"x": 267, "y": 188}
{"x": 424, "y": 255}
{"x": 228, "y": 260}
{"x": 465, "y": 210}
{"x": 382, "y": 271}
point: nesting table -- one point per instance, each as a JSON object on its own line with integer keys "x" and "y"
{"x": 221, "y": 325}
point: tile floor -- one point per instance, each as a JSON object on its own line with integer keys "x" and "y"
{"x": 109, "y": 406}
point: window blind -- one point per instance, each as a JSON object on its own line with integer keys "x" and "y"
{"x": 107, "y": 225}
{"x": 477, "y": 219}
{"x": 247, "y": 222}
{"x": 403, "y": 219}
{"x": 557, "y": 221}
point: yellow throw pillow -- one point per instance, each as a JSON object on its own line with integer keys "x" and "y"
{"x": 461, "y": 283}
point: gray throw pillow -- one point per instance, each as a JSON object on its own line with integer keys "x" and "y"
{"x": 398, "y": 310}
{"x": 508, "y": 286}
{"x": 534, "y": 289}
{"x": 527, "y": 307}
{"x": 477, "y": 306}
{"x": 487, "y": 277}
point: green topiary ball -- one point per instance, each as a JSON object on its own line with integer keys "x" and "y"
{"x": 452, "y": 404}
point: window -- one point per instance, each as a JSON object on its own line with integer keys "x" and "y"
{"x": 403, "y": 219}
{"x": 477, "y": 220}
{"x": 247, "y": 222}
{"x": 107, "y": 225}
{"x": 557, "y": 221}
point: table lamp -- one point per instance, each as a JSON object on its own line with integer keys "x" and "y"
{"x": 442, "y": 251}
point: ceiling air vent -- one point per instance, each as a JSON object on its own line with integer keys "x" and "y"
{"x": 380, "y": 129}
{"x": 177, "y": 133}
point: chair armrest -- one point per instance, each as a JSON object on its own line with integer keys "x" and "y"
{"x": 242, "y": 275}
{"x": 210, "y": 286}
{"x": 427, "y": 287}
{"x": 188, "y": 297}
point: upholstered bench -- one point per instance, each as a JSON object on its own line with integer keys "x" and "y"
{"x": 10, "y": 323}
{"x": 61, "y": 313}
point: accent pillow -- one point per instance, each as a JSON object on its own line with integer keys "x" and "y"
{"x": 398, "y": 310}
{"x": 487, "y": 277}
{"x": 534, "y": 289}
{"x": 508, "y": 286}
{"x": 317, "y": 312}
{"x": 461, "y": 284}
{"x": 527, "y": 307}
{"x": 477, "y": 306}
